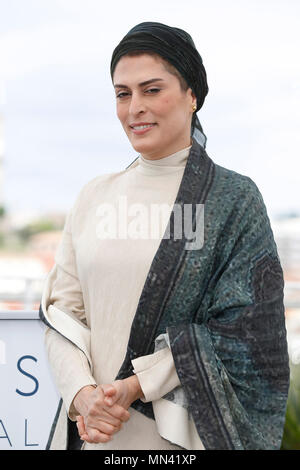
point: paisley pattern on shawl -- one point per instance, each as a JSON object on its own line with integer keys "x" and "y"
{"x": 222, "y": 309}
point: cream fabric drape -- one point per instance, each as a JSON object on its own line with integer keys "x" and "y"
{"x": 97, "y": 282}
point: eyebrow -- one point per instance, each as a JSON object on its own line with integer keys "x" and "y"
{"x": 147, "y": 82}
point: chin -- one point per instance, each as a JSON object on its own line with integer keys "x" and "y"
{"x": 143, "y": 147}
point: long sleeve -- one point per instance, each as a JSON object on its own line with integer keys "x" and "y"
{"x": 101, "y": 278}
{"x": 68, "y": 363}
{"x": 69, "y": 367}
{"x": 156, "y": 373}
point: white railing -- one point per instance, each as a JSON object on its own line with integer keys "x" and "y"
{"x": 19, "y": 315}
{"x": 292, "y": 294}
{"x": 25, "y": 290}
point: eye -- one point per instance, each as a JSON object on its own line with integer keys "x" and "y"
{"x": 150, "y": 91}
{"x": 121, "y": 95}
{"x": 153, "y": 90}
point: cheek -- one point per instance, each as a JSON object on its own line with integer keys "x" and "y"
{"x": 164, "y": 107}
{"x": 121, "y": 112}
{"x": 167, "y": 103}
{"x": 170, "y": 103}
{"x": 172, "y": 111}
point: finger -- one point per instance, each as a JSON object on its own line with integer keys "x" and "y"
{"x": 81, "y": 428}
{"x": 118, "y": 412}
{"x": 108, "y": 389}
{"x": 95, "y": 436}
{"x": 80, "y": 425}
{"x": 110, "y": 394}
{"x": 100, "y": 423}
{"x": 108, "y": 418}
{"x": 106, "y": 428}
{"x": 109, "y": 401}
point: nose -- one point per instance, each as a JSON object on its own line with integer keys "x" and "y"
{"x": 137, "y": 104}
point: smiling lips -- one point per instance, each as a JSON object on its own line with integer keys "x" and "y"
{"x": 141, "y": 127}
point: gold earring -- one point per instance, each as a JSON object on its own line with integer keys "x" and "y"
{"x": 194, "y": 108}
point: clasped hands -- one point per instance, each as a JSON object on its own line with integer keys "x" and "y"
{"x": 103, "y": 410}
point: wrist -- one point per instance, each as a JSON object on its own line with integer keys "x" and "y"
{"x": 80, "y": 399}
{"x": 135, "y": 387}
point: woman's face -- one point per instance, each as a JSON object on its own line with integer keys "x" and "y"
{"x": 148, "y": 95}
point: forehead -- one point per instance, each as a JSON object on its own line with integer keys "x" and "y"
{"x": 137, "y": 68}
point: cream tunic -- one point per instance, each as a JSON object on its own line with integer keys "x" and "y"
{"x": 101, "y": 266}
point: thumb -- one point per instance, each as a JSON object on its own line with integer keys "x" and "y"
{"x": 110, "y": 394}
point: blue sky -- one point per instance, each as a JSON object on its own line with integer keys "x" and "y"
{"x": 58, "y": 103}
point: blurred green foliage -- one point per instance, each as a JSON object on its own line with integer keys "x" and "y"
{"x": 36, "y": 227}
{"x": 291, "y": 433}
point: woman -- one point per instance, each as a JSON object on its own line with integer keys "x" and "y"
{"x": 175, "y": 340}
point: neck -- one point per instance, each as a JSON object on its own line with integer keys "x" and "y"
{"x": 167, "y": 152}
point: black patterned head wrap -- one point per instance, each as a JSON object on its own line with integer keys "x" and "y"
{"x": 177, "y": 47}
